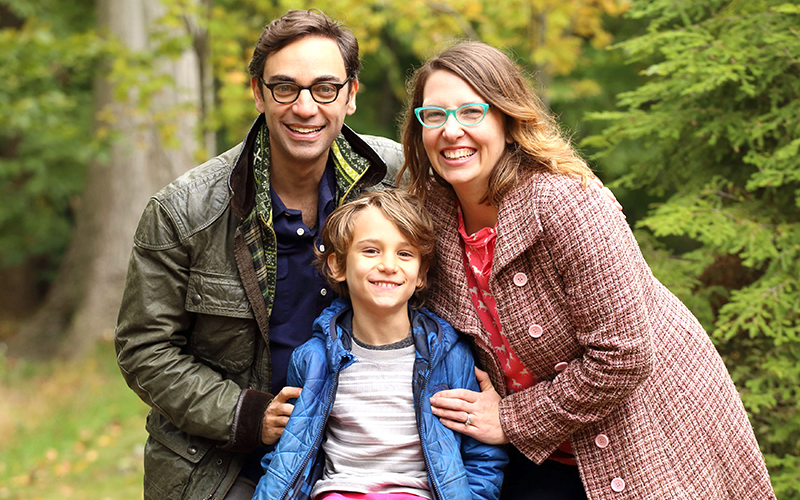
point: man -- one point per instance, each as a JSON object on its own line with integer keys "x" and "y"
{"x": 220, "y": 287}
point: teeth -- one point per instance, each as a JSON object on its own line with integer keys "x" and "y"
{"x": 301, "y": 130}
{"x": 457, "y": 154}
{"x": 385, "y": 284}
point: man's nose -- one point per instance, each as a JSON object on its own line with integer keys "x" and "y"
{"x": 305, "y": 105}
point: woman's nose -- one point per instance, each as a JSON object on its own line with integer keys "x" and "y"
{"x": 451, "y": 128}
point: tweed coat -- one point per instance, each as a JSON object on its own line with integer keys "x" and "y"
{"x": 626, "y": 372}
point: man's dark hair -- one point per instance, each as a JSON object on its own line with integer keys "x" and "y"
{"x": 297, "y": 24}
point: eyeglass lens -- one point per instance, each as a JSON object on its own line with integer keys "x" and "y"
{"x": 469, "y": 114}
{"x": 319, "y": 91}
{"x": 288, "y": 92}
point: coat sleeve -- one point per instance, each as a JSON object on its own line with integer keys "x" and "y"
{"x": 484, "y": 463}
{"x": 604, "y": 279}
{"x": 153, "y": 329}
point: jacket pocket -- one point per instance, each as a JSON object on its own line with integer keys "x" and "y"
{"x": 224, "y": 331}
{"x": 170, "y": 458}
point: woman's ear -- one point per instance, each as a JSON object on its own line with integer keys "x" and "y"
{"x": 336, "y": 273}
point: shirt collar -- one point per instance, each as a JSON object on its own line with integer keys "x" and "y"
{"x": 327, "y": 194}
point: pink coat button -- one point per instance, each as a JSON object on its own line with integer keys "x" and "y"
{"x": 617, "y": 484}
{"x": 535, "y": 331}
{"x": 520, "y": 279}
{"x": 561, "y": 366}
{"x": 601, "y": 440}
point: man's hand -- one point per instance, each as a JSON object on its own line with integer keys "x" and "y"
{"x": 277, "y": 414}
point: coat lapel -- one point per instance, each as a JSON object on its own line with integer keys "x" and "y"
{"x": 518, "y": 224}
{"x": 449, "y": 292}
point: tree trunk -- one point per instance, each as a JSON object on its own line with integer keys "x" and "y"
{"x": 83, "y": 301}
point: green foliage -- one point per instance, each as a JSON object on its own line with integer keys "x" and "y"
{"x": 717, "y": 119}
{"x": 63, "y": 18}
{"x": 45, "y": 135}
{"x": 50, "y": 130}
{"x": 548, "y": 36}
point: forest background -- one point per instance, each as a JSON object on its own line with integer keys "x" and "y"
{"x": 687, "y": 109}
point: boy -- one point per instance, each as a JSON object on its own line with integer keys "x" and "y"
{"x": 362, "y": 427}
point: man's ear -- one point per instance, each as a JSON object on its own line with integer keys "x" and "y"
{"x": 338, "y": 274}
{"x": 351, "y": 101}
{"x": 258, "y": 95}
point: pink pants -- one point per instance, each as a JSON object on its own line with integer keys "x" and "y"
{"x": 369, "y": 496}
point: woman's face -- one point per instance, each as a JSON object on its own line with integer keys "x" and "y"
{"x": 464, "y": 156}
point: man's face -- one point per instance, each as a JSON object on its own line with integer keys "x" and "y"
{"x": 301, "y": 132}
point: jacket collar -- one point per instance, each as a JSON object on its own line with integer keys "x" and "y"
{"x": 242, "y": 180}
{"x": 335, "y": 326}
{"x": 517, "y": 229}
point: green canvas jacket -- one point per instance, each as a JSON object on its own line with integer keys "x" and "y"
{"x": 192, "y": 336}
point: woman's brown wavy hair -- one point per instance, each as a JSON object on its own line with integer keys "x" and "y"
{"x": 537, "y": 143}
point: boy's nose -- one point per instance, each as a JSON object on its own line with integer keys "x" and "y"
{"x": 388, "y": 264}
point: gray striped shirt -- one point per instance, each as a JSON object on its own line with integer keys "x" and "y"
{"x": 372, "y": 442}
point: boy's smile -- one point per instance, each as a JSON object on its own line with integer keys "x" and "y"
{"x": 382, "y": 268}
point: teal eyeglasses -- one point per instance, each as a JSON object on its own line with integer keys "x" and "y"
{"x": 467, "y": 115}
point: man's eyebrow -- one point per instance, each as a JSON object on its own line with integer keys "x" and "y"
{"x": 321, "y": 78}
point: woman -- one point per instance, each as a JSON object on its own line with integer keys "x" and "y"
{"x": 594, "y": 362}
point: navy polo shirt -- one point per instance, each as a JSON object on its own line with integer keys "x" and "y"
{"x": 301, "y": 293}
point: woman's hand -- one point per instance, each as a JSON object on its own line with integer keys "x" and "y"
{"x": 475, "y": 414}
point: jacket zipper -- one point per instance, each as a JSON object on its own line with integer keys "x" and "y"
{"x": 436, "y": 491}
{"x": 331, "y": 397}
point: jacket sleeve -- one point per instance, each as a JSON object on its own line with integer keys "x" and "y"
{"x": 484, "y": 462}
{"x": 604, "y": 279}
{"x": 298, "y": 365}
{"x": 153, "y": 329}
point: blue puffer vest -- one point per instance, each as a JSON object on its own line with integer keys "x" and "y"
{"x": 459, "y": 467}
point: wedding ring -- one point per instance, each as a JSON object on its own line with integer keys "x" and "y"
{"x": 468, "y": 421}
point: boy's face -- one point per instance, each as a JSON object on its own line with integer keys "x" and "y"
{"x": 382, "y": 267}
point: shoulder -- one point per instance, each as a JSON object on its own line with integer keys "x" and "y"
{"x": 391, "y": 152}
{"x": 558, "y": 199}
{"x": 309, "y": 359}
{"x": 189, "y": 203}
{"x": 310, "y": 348}
{"x": 447, "y": 336}
{"x": 540, "y": 188}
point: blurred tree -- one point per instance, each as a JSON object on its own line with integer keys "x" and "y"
{"x": 718, "y": 119}
{"x": 548, "y": 37}
{"x": 145, "y": 105}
